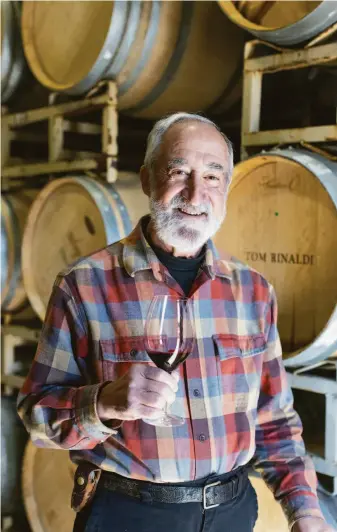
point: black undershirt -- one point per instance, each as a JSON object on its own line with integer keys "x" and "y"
{"x": 183, "y": 270}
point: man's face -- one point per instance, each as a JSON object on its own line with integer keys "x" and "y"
{"x": 189, "y": 185}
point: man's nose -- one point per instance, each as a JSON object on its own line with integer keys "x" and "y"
{"x": 195, "y": 191}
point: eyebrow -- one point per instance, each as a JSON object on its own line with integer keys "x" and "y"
{"x": 176, "y": 161}
{"x": 181, "y": 160}
{"x": 216, "y": 166}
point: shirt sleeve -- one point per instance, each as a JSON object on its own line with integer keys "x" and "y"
{"x": 56, "y": 403}
{"x": 280, "y": 454}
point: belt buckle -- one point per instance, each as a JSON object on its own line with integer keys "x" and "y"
{"x": 204, "y": 491}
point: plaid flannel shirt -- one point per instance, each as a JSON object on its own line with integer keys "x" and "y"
{"x": 233, "y": 389}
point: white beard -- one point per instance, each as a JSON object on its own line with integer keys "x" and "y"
{"x": 183, "y": 233}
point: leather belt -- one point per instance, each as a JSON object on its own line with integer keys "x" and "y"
{"x": 210, "y": 495}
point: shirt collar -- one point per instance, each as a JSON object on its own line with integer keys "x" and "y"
{"x": 138, "y": 256}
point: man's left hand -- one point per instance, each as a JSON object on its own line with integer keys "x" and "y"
{"x": 312, "y": 524}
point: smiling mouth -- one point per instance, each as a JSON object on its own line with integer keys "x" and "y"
{"x": 200, "y": 215}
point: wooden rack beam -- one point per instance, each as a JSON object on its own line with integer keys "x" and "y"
{"x": 282, "y": 136}
{"x": 61, "y": 160}
{"x": 262, "y": 58}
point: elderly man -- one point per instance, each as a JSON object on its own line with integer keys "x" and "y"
{"x": 92, "y": 384}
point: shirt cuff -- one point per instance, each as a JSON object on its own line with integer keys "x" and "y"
{"x": 305, "y": 517}
{"x": 295, "y": 514}
{"x": 86, "y": 414}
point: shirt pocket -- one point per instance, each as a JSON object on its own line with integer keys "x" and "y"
{"x": 119, "y": 353}
{"x": 239, "y": 368}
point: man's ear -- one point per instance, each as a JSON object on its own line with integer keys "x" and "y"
{"x": 145, "y": 180}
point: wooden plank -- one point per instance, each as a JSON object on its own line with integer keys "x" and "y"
{"x": 5, "y": 142}
{"x": 12, "y": 381}
{"x": 325, "y": 53}
{"x": 80, "y": 155}
{"x": 82, "y": 127}
{"x": 25, "y": 136}
{"x": 110, "y": 133}
{"x": 7, "y": 523}
{"x": 324, "y": 466}
{"x": 312, "y": 383}
{"x": 331, "y": 428}
{"x": 280, "y": 136}
{"x": 55, "y": 138}
{"x": 251, "y": 103}
{"x": 8, "y": 344}
{"x": 45, "y": 113}
{"x": 50, "y": 168}
{"x": 20, "y": 331}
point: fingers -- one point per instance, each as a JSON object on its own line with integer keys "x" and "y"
{"x": 154, "y": 393}
{"x": 159, "y": 375}
{"x": 150, "y": 389}
{"x": 147, "y": 412}
{"x": 152, "y": 399}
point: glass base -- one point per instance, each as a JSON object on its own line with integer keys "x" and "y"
{"x": 167, "y": 420}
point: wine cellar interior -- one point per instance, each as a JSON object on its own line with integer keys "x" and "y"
{"x": 82, "y": 84}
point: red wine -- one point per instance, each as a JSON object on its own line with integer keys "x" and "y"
{"x": 166, "y": 361}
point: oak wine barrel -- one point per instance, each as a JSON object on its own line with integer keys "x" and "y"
{"x": 282, "y": 23}
{"x": 270, "y": 514}
{"x": 14, "y": 211}
{"x": 20, "y": 90}
{"x": 159, "y": 52}
{"x": 73, "y": 217}
{"x": 13, "y": 63}
{"x": 47, "y": 483}
{"x": 282, "y": 220}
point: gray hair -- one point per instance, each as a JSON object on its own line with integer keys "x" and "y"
{"x": 158, "y": 131}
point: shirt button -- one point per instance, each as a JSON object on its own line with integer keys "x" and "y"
{"x": 133, "y": 352}
{"x": 202, "y": 437}
{"x": 196, "y": 393}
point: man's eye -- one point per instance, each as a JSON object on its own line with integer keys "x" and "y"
{"x": 212, "y": 177}
{"x": 178, "y": 172}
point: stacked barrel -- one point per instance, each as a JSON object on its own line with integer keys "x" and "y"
{"x": 282, "y": 220}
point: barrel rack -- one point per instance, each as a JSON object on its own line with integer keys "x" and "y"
{"x": 11, "y": 337}
{"x": 103, "y": 96}
{"x": 69, "y": 116}
{"x": 310, "y": 379}
{"x": 261, "y": 58}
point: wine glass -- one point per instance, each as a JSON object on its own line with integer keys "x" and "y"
{"x": 169, "y": 339}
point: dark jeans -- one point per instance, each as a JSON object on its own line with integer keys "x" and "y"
{"x": 116, "y": 512}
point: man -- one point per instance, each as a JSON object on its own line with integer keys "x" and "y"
{"x": 92, "y": 383}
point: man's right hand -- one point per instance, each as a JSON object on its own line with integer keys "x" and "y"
{"x": 142, "y": 392}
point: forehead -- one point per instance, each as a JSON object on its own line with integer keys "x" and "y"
{"x": 196, "y": 142}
